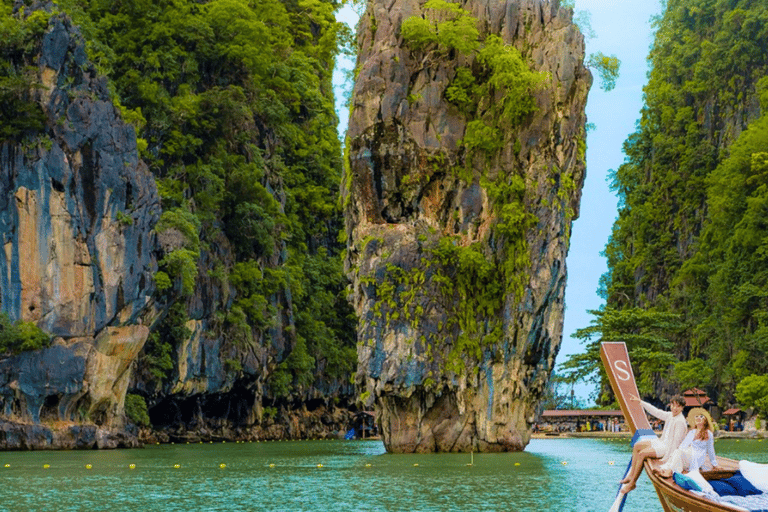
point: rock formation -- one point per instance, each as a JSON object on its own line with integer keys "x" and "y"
{"x": 211, "y": 349}
{"x": 77, "y": 208}
{"x": 459, "y": 196}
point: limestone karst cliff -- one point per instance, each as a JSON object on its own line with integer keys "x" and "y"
{"x": 464, "y": 174}
{"x": 77, "y": 208}
{"x": 169, "y": 218}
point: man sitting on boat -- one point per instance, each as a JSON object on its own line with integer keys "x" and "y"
{"x": 697, "y": 446}
{"x": 675, "y": 430}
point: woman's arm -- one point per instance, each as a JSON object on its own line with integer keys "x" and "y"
{"x": 711, "y": 449}
{"x": 688, "y": 440}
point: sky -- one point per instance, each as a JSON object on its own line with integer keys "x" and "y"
{"x": 624, "y": 29}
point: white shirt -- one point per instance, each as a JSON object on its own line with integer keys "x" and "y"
{"x": 675, "y": 429}
{"x": 700, "y": 449}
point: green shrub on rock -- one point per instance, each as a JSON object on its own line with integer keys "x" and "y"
{"x": 136, "y": 410}
{"x": 21, "y": 336}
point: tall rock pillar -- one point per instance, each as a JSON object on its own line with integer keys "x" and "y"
{"x": 465, "y": 162}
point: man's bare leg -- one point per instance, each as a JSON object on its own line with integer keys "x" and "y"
{"x": 636, "y": 461}
{"x": 636, "y": 469}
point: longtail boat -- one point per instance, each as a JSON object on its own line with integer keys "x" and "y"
{"x": 673, "y": 498}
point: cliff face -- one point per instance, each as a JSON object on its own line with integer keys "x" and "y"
{"x": 224, "y": 313}
{"x": 456, "y": 241}
{"x": 77, "y": 208}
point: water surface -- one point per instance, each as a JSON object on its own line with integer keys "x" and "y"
{"x": 552, "y": 474}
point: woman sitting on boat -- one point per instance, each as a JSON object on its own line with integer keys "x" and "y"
{"x": 696, "y": 448}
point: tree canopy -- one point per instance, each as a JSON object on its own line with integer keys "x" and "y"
{"x": 689, "y": 240}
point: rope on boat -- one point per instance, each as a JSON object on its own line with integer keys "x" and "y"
{"x": 640, "y": 434}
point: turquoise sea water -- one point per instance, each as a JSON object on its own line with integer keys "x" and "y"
{"x": 552, "y": 474}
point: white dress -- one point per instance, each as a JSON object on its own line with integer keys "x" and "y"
{"x": 692, "y": 454}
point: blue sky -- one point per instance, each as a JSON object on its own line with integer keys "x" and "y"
{"x": 624, "y": 29}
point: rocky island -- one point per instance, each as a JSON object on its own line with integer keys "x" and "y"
{"x": 465, "y": 162}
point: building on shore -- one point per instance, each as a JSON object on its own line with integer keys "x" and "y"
{"x": 571, "y": 420}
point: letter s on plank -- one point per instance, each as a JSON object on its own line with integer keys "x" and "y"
{"x": 622, "y": 370}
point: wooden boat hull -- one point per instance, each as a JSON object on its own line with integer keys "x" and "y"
{"x": 673, "y": 498}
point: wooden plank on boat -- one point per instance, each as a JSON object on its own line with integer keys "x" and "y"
{"x": 616, "y": 362}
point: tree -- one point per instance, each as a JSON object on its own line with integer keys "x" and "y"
{"x": 694, "y": 373}
{"x": 752, "y": 391}
{"x": 559, "y": 394}
{"x": 647, "y": 334}
{"x": 607, "y": 67}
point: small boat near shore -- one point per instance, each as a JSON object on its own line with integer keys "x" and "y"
{"x": 672, "y": 496}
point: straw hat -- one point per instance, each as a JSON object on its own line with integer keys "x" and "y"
{"x": 695, "y": 412}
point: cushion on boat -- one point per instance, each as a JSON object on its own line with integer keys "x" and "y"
{"x": 757, "y": 474}
{"x": 700, "y": 481}
{"x": 685, "y": 482}
{"x": 736, "y": 485}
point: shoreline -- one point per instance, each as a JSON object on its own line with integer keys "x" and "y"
{"x": 720, "y": 434}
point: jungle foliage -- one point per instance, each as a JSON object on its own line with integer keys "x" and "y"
{"x": 19, "y": 116}
{"x": 687, "y": 256}
{"x": 233, "y": 105}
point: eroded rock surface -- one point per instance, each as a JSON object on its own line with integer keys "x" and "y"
{"x": 77, "y": 208}
{"x": 457, "y": 255}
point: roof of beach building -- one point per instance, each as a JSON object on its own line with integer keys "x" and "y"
{"x": 695, "y": 397}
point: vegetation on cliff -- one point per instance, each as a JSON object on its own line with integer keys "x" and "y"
{"x": 233, "y": 106}
{"x": 233, "y": 99}
{"x": 494, "y": 90}
{"x": 19, "y": 116}
{"x": 686, "y": 276}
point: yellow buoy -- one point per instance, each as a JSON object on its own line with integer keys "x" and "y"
{"x": 46, "y": 466}
{"x": 517, "y": 463}
{"x": 367, "y": 465}
{"x": 222, "y": 466}
{"x": 565, "y": 463}
{"x": 177, "y": 466}
{"x": 271, "y": 465}
{"x": 7, "y": 465}
{"x": 319, "y": 465}
{"x": 88, "y": 466}
{"x": 132, "y": 466}
{"x": 416, "y": 465}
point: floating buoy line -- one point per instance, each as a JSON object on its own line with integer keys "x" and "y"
{"x": 272, "y": 465}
